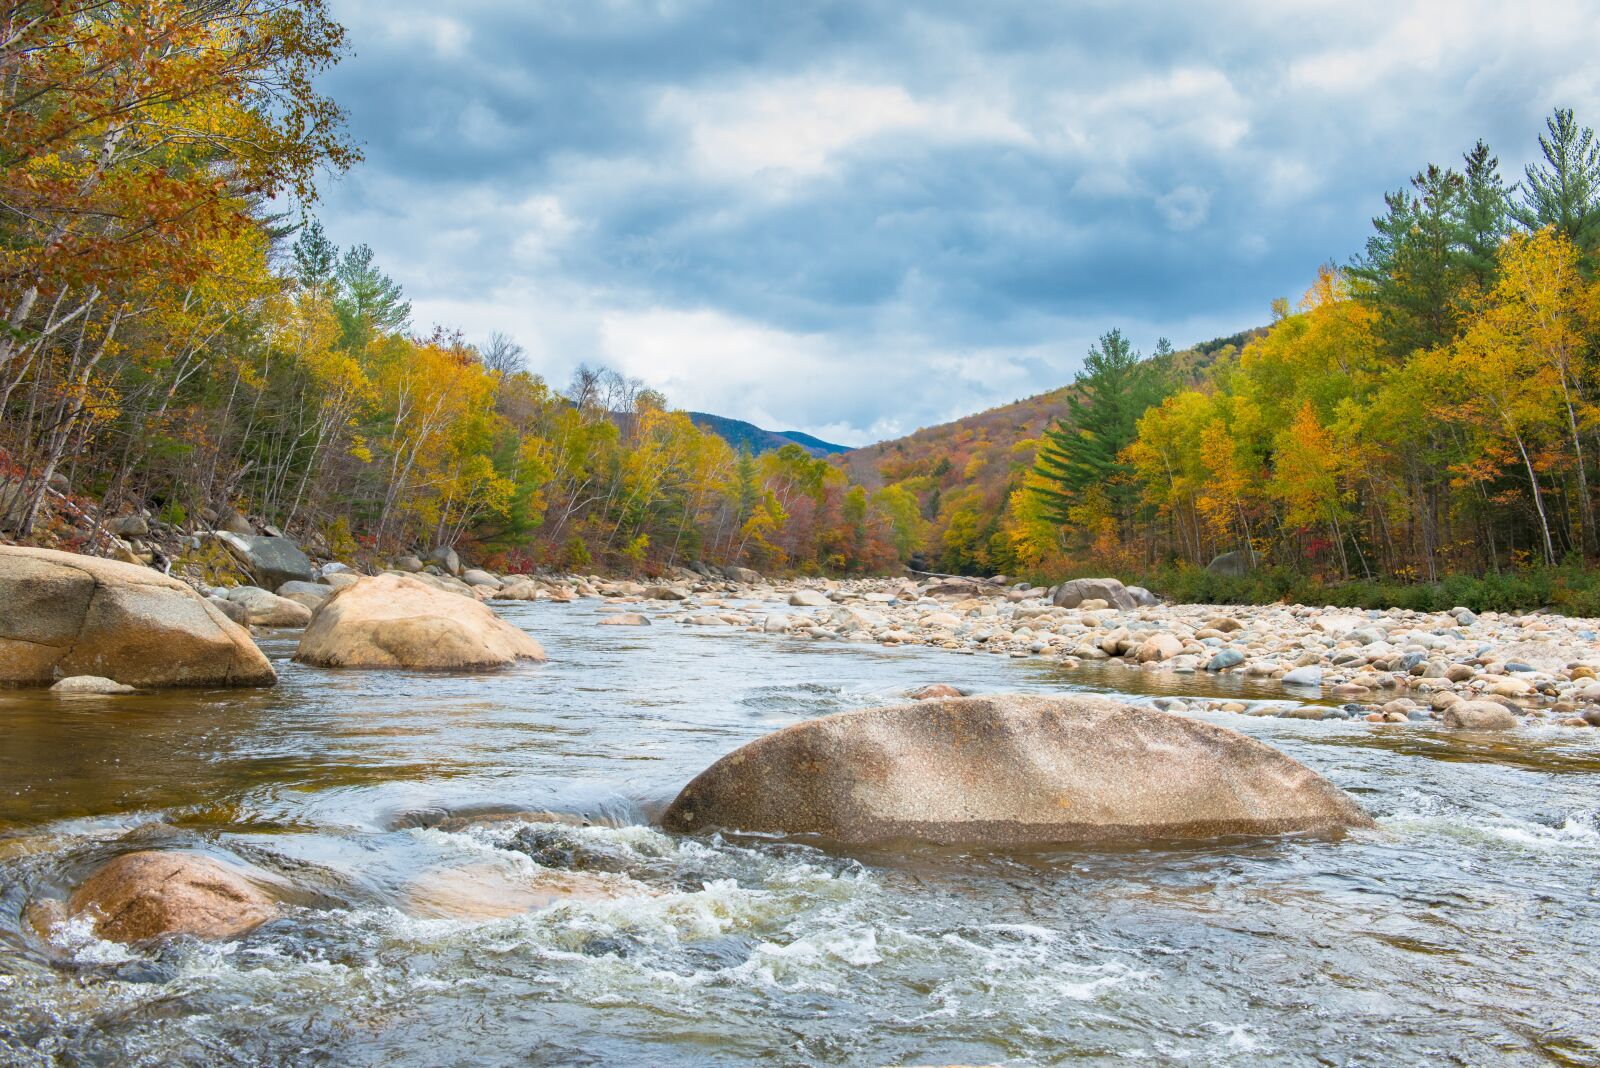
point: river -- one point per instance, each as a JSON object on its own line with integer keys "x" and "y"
{"x": 1464, "y": 930}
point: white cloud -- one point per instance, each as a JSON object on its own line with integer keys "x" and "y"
{"x": 798, "y": 128}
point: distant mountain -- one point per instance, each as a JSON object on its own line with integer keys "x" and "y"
{"x": 740, "y": 434}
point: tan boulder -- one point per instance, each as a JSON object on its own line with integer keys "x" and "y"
{"x": 933, "y": 691}
{"x": 64, "y": 614}
{"x": 150, "y": 894}
{"x": 1478, "y": 716}
{"x": 1011, "y": 769}
{"x": 625, "y": 619}
{"x": 1159, "y": 647}
{"x": 397, "y": 621}
{"x": 266, "y": 609}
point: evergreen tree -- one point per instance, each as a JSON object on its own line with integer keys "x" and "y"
{"x": 1564, "y": 191}
{"x": 1485, "y": 213}
{"x": 1081, "y": 452}
{"x": 1413, "y": 266}
{"x": 315, "y": 257}
{"x": 369, "y": 302}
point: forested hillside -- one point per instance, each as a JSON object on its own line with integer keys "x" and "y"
{"x": 963, "y": 474}
{"x": 182, "y": 340}
{"x": 1427, "y": 409}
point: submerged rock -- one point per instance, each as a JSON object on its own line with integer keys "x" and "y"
{"x": 66, "y": 614}
{"x": 489, "y": 890}
{"x": 1011, "y": 769}
{"x": 397, "y": 621}
{"x": 90, "y": 684}
{"x": 625, "y": 619}
{"x": 146, "y": 895}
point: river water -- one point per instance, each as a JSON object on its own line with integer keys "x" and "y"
{"x": 1464, "y": 930}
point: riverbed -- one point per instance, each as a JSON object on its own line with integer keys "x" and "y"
{"x": 1463, "y": 930}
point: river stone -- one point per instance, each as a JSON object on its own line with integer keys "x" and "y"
{"x": 473, "y": 576}
{"x": 265, "y": 609}
{"x": 312, "y": 594}
{"x": 666, "y": 593}
{"x": 1072, "y": 594}
{"x": 742, "y": 575}
{"x": 270, "y": 561}
{"x": 398, "y": 621}
{"x": 146, "y": 895}
{"x": 446, "y": 559}
{"x": 1009, "y": 770}
{"x": 1224, "y": 659}
{"x": 1303, "y": 676}
{"x": 90, "y": 684}
{"x": 1158, "y": 647}
{"x": 65, "y": 614}
{"x": 625, "y": 619}
{"x": 1478, "y": 716}
{"x": 809, "y": 599}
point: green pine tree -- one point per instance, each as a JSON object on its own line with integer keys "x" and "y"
{"x": 1485, "y": 214}
{"x": 1564, "y": 191}
{"x": 1413, "y": 266}
{"x": 1081, "y": 451}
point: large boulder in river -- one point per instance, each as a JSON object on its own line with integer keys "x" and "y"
{"x": 398, "y": 621}
{"x": 62, "y": 614}
{"x": 1073, "y": 593}
{"x": 1008, "y": 770}
{"x": 270, "y": 561}
{"x": 146, "y": 895}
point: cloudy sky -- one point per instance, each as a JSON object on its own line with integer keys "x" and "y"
{"x": 861, "y": 217}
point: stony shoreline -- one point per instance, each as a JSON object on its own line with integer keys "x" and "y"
{"x": 1488, "y": 671}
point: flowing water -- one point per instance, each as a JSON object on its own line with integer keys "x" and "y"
{"x": 1462, "y": 931}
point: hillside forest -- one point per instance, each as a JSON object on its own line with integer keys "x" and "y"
{"x": 179, "y": 335}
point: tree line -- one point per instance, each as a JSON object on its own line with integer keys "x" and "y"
{"x": 1428, "y": 408}
{"x": 172, "y": 337}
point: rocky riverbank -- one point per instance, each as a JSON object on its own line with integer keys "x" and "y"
{"x": 1483, "y": 671}
{"x": 1462, "y": 669}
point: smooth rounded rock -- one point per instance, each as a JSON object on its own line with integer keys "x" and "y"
{"x": 146, "y": 895}
{"x": 90, "y": 684}
{"x": 64, "y": 614}
{"x": 625, "y": 619}
{"x": 398, "y": 621}
{"x": 265, "y": 609}
{"x": 1478, "y": 716}
{"x": 1011, "y": 769}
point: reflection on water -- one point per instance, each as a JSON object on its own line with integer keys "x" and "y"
{"x": 1460, "y": 932}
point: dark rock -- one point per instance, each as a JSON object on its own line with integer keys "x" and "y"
{"x": 1235, "y": 564}
{"x": 270, "y": 561}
